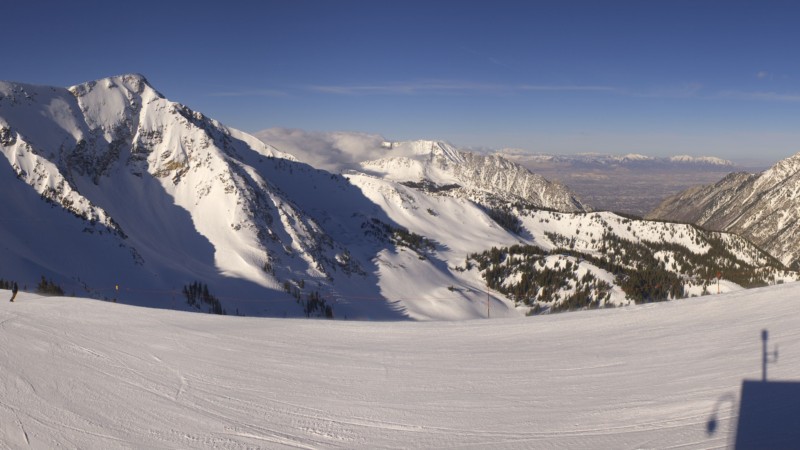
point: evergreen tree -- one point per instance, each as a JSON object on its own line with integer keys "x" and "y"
{"x": 48, "y": 287}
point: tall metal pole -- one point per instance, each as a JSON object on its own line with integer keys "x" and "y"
{"x": 764, "y": 337}
{"x": 488, "y": 303}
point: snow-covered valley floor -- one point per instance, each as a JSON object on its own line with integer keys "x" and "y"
{"x": 88, "y": 374}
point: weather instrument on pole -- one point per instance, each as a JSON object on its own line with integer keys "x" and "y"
{"x": 765, "y": 355}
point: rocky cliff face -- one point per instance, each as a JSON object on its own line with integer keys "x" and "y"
{"x": 764, "y": 208}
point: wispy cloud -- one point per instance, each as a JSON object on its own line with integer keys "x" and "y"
{"x": 455, "y": 87}
{"x": 404, "y": 88}
{"x": 687, "y": 90}
{"x": 761, "y": 96}
{"x": 763, "y": 75}
{"x": 566, "y": 88}
{"x": 251, "y": 93}
{"x": 451, "y": 87}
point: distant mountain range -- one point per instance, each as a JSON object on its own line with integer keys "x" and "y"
{"x": 115, "y": 192}
{"x": 600, "y": 160}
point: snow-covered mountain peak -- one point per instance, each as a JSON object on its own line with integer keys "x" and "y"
{"x": 712, "y": 160}
{"x": 424, "y": 149}
{"x": 636, "y": 157}
{"x": 132, "y": 83}
{"x": 483, "y": 178}
{"x": 782, "y": 170}
{"x": 170, "y": 183}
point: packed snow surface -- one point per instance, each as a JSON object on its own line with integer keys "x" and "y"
{"x": 88, "y": 374}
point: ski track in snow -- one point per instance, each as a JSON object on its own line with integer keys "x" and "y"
{"x": 88, "y": 374}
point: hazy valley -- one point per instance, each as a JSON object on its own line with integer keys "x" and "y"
{"x": 631, "y": 184}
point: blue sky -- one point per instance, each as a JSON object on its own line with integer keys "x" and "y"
{"x": 717, "y": 78}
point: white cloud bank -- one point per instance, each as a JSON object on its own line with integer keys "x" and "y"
{"x": 334, "y": 151}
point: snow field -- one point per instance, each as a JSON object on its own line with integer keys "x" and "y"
{"x": 592, "y": 226}
{"x": 87, "y": 374}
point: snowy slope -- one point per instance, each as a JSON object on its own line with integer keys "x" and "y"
{"x": 86, "y": 374}
{"x": 460, "y": 228}
{"x": 564, "y": 256}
